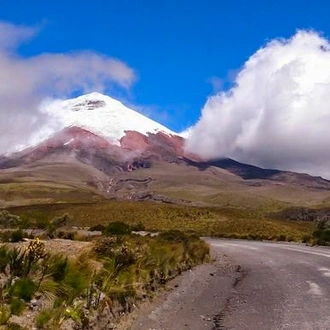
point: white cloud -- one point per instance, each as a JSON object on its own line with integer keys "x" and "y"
{"x": 217, "y": 83}
{"x": 12, "y": 35}
{"x": 25, "y": 82}
{"x": 278, "y": 113}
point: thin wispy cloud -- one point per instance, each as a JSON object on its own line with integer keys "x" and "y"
{"x": 25, "y": 82}
{"x": 12, "y": 35}
{"x": 278, "y": 112}
{"x": 217, "y": 83}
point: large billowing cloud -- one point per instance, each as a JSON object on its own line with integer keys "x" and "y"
{"x": 25, "y": 82}
{"x": 278, "y": 112}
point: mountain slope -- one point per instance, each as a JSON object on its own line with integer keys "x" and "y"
{"x": 147, "y": 167}
{"x": 147, "y": 161}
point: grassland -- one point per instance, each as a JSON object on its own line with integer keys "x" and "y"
{"x": 47, "y": 183}
{"x": 105, "y": 277}
{"x": 206, "y": 221}
{"x": 123, "y": 269}
{"x": 227, "y": 205}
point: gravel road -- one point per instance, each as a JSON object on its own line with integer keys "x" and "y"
{"x": 250, "y": 286}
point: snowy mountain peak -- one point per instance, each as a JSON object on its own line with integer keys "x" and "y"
{"x": 92, "y": 101}
{"x": 101, "y": 115}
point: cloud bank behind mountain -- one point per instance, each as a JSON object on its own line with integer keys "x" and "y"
{"x": 277, "y": 114}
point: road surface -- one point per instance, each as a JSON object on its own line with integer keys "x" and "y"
{"x": 251, "y": 286}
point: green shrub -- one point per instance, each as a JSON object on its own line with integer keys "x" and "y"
{"x": 5, "y": 314}
{"x": 17, "y": 306}
{"x": 97, "y": 227}
{"x": 126, "y": 268}
{"x": 325, "y": 236}
{"x": 16, "y": 262}
{"x": 58, "y": 267}
{"x": 23, "y": 288}
{"x": 43, "y": 318}
{"x": 281, "y": 237}
{"x": 15, "y": 326}
{"x": 174, "y": 236}
{"x": 42, "y": 223}
{"x": 306, "y": 238}
{"x": 76, "y": 281}
{"x": 4, "y": 258}
{"x": 321, "y": 232}
{"x": 198, "y": 251}
{"x": 118, "y": 228}
{"x": 17, "y": 236}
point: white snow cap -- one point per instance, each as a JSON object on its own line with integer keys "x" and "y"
{"x": 101, "y": 115}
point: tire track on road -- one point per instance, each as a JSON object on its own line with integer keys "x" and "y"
{"x": 219, "y": 319}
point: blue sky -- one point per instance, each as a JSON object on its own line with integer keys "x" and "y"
{"x": 175, "y": 47}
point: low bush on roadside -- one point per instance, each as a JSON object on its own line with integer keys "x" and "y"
{"x": 143, "y": 263}
{"x": 321, "y": 234}
{"x": 117, "y": 228}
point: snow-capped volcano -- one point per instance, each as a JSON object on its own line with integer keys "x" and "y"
{"x": 101, "y": 115}
{"x": 104, "y": 139}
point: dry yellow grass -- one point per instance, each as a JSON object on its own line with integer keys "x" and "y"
{"x": 208, "y": 221}
{"x": 233, "y": 207}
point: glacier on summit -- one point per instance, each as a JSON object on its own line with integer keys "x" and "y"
{"x": 99, "y": 114}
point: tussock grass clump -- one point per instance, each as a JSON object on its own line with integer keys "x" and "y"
{"x": 32, "y": 272}
{"x": 43, "y": 318}
{"x": 5, "y": 314}
{"x": 321, "y": 233}
{"x": 99, "y": 284}
{"x": 134, "y": 267}
{"x": 143, "y": 263}
{"x": 17, "y": 236}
